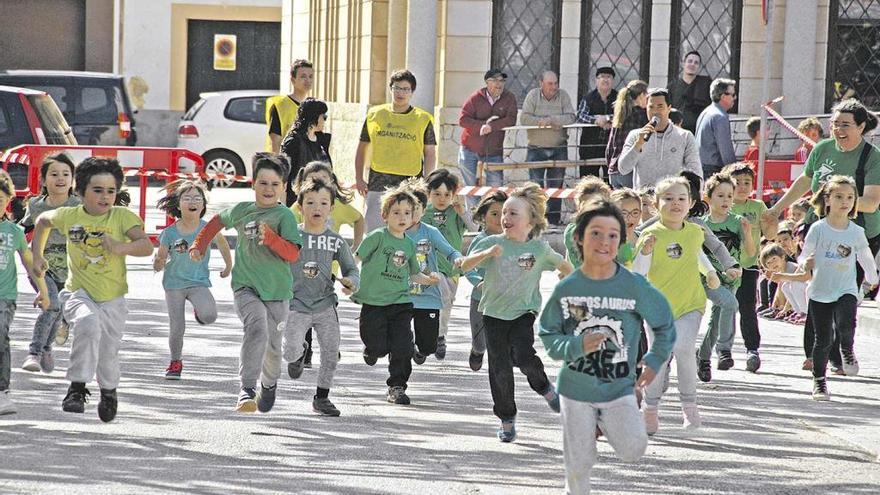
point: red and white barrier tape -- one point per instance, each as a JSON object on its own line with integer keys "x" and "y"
{"x": 161, "y": 174}
{"x": 552, "y": 192}
{"x": 784, "y": 123}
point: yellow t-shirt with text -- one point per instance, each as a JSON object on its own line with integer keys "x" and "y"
{"x": 397, "y": 139}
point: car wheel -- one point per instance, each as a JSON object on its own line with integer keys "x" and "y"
{"x": 223, "y": 162}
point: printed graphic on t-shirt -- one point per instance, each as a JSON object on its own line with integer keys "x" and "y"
{"x": 7, "y": 250}
{"x": 842, "y": 251}
{"x": 526, "y": 261}
{"x": 91, "y": 254}
{"x": 439, "y": 218}
{"x": 826, "y": 169}
{"x": 180, "y": 246}
{"x": 252, "y": 230}
{"x": 398, "y": 258}
{"x": 674, "y": 250}
{"x": 612, "y": 359}
{"x": 310, "y": 269}
{"x": 730, "y": 239}
{"x": 423, "y": 248}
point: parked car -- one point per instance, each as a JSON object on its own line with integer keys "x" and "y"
{"x": 226, "y": 128}
{"x": 94, "y": 103}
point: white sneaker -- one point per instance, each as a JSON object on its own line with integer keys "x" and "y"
{"x": 850, "y": 363}
{"x": 6, "y": 404}
{"x": 691, "y": 414}
{"x": 652, "y": 419}
{"x": 32, "y": 363}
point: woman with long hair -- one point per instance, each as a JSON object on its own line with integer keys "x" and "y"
{"x": 629, "y": 114}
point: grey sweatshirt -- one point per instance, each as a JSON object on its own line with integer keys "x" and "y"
{"x": 558, "y": 110}
{"x": 313, "y": 277}
{"x": 665, "y": 154}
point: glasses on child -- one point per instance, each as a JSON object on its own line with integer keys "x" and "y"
{"x": 632, "y": 213}
{"x": 191, "y": 199}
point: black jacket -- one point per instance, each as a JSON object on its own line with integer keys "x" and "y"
{"x": 300, "y": 150}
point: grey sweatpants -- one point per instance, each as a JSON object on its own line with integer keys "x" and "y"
{"x": 7, "y": 311}
{"x": 325, "y": 323}
{"x": 478, "y": 329}
{"x": 373, "y": 210}
{"x": 203, "y": 304}
{"x": 720, "y": 332}
{"x": 620, "y": 422}
{"x": 47, "y": 322}
{"x": 686, "y": 329}
{"x": 448, "y": 287}
{"x": 261, "y": 344}
{"x": 97, "y": 329}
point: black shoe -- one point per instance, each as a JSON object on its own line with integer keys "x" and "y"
{"x": 324, "y": 407}
{"x": 725, "y": 361}
{"x": 440, "y": 353}
{"x": 419, "y": 358}
{"x": 295, "y": 369}
{"x": 397, "y": 395}
{"x": 75, "y": 400}
{"x": 246, "y": 402}
{"x": 370, "y": 360}
{"x": 476, "y": 360}
{"x": 266, "y": 399}
{"x": 307, "y": 358}
{"x": 704, "y": 370}
{"x": 108, "y": 404}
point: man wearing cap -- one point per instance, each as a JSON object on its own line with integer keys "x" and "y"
{"x": 483, "y": 118}
{"x": 597, "y": 108}
{"x": 549, "y": 108}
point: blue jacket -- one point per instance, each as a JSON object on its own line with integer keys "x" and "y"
{"x": 713, "y": 137}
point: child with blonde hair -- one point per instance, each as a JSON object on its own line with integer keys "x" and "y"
{"x": 587, "y": 188}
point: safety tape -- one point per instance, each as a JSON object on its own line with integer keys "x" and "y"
{"x": 784, "y": 123}
{"x": 161, "y": 174}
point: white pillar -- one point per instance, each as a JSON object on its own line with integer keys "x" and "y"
{"x": 421, "y": 50}
{"x": 799, "y": 62}
{"x": 661, "y": 14}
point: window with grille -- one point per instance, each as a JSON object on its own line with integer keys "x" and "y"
{"x": 711, "y": 27}
{"x": 525, "y": 41}
{"x": 616, "y": 34}
{"x": 854, "y": 52}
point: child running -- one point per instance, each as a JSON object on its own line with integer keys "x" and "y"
{"x": 184, "y": 279}
{"x": 630, "y": 205}
{"x": 592, "y": 322}
{"x": 100, "y": 235}
{"x": 268, "y": 241}
{"x": 586, "y": 189}
{"x": 314, "y": 299}
{"x": 514, "y": 262}
{"x": 56, "y": 175}
{"x": 389, "y": 264}
{"x": 670, "y": 254}
{"x": 833, "y": 246}
{"x": 487, "y": 213}
{"x": 447, "y": 213}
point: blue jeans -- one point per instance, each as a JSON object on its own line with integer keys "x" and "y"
{"x": 467, "y": 165}
{"x": 619, "y": 181}
{"x": 7, "y": 311}
{"x": 47, "y": 323}
{"x": 548, "y": 177}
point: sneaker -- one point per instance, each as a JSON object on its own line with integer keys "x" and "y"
{"x": 552, "y": 398}
{"x": 691, "y": 414}
{"x": 63, "y": 333}
{"x": 307, "y": 358}
{"x": 172, "y": 372}
{"x": 808, "y": 365}
{"x": 6, "y": 404}
{"x": 820, "y": 389}
{"x": 107, "y": 405}
{"x": 397, "y": 395}
{"x": 850, "y": 363}
{"x": 507, "y": 431}
{"x": 47, "y": 361}
{"x": 266, "y": 399}
{"x": 767, "y": 313}
{"x": 370, "y": 360}
{"x": 725, "y": 360}
{"x": 419, "y": 358}
{"x": 753, "y": 361}
{"x": 324, "y": 407}
{"x": 246, "y": 402}
{"x": 837, "y": 370}
{"x": 295, "y": 369}
{"x": 704, "y": 370}
{"x": 32, "y": 363}
{"x": 475, "y": 360}
{"x": 762, "y": 308}
{"x": 440, "y": 353}
{"x": 651, "y": 415}
{"x": 75, "y": 400}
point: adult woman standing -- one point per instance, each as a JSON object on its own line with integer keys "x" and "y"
{"x": 629, "y": 114}
{"x": 306, "y": 141}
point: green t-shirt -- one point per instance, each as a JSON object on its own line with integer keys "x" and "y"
{"x": 387, "y": 263}
{"x": 752, "y": 209}
{"x": 452, "y": 226}
{"x": 89, "y": 265}
{"x": 11, "y": 240}
{"x": 256, "y": 266}
{"x": 511, "y": 283}
{"x": 675, "y": 266}
{"x": 730, "y": 233}
{"x": 826, "y": 160}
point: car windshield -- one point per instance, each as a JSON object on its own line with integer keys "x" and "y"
{"x": 54, "y": 126}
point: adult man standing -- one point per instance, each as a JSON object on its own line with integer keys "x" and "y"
{"x": 483, "y": 118}
{"x": 281, "y": 110}
{"x": 597, "y": 108}
{"x": 713, "y": 128}
{"x": 690, "y": 92}
{"x": 401, "y": 138}
{"x": 550, "y": 108}
{"x": 659, "y": 150}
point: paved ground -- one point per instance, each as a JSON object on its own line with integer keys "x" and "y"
{"x": 762, "y": 434}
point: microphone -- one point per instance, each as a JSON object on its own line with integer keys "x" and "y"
{"x": 655, "y": 121}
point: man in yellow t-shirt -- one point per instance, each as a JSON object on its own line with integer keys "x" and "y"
{"x": 281, "y": 110}
{"x": 401, "y": 139}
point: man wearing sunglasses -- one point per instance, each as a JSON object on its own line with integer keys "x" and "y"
{"x": 713, "y": 128}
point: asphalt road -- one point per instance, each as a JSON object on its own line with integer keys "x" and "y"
{"x": 762, "y": 433}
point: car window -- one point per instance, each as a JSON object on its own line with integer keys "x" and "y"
{"x": 249, "y": 109}
{"x": 58, "y": 93}
{"x": 55, "y": 128}
{"x": 97, "y": 105}
{"x": 193, "y": 110}
{"x": 5, "y": 121}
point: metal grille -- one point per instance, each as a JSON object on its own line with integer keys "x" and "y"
{"x": 712, "y": 27}
{"x": 854, "y": 52}
{"x": 525, "y": 41}
{"x": 616, "y": 34}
